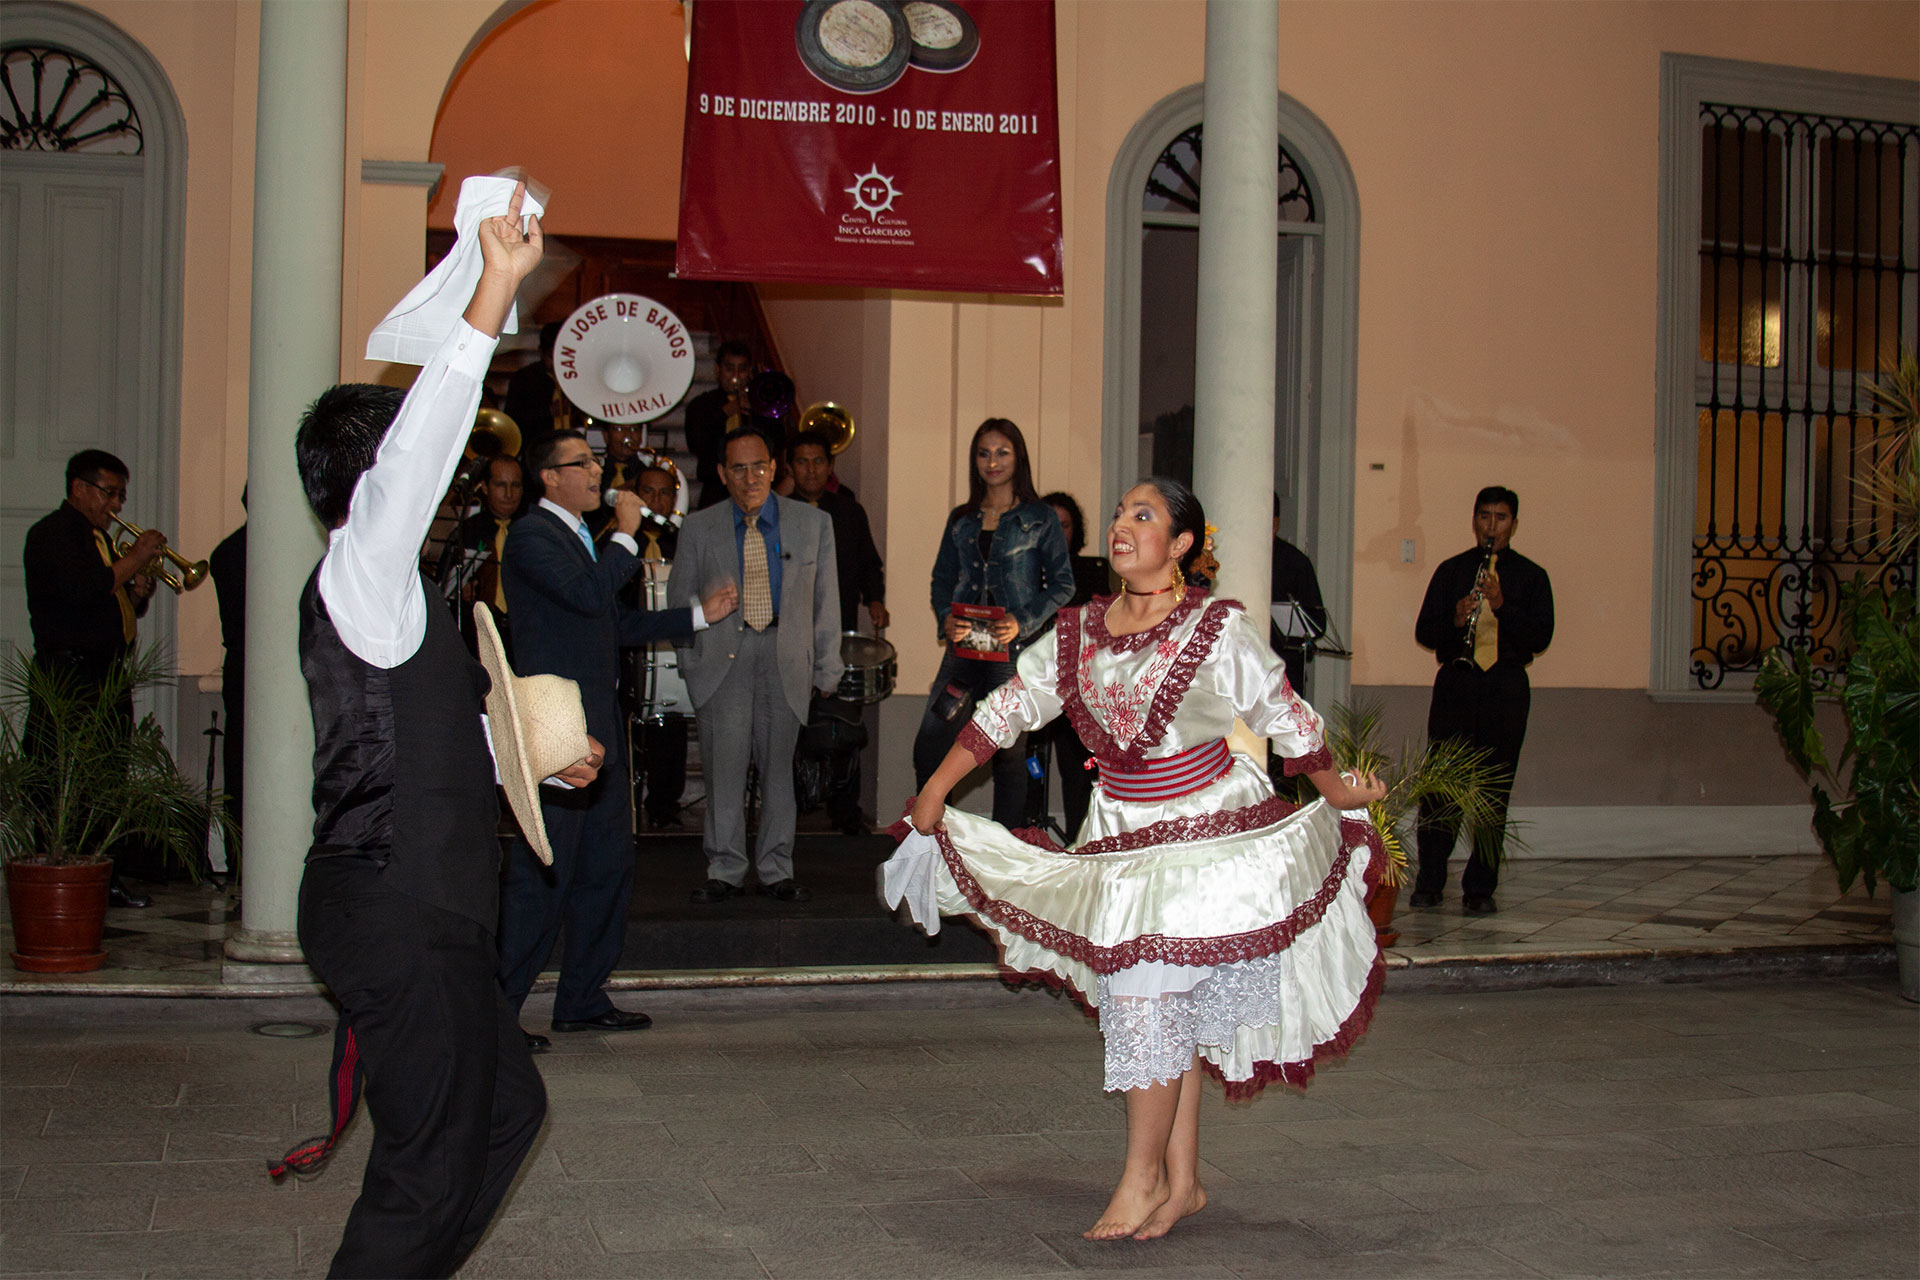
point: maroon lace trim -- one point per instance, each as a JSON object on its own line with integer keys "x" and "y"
{"x": 1166, "y": 699}
{"x": 1298, "y": 1074}
{"x": 977, "y": 744}
{"x": 1228, "y": 949}
{"x": 1321, "y": 759}
{"x": 1038, "y": 837}
{"x": 1199, "y": 826}
{"x": 1097, "y": 632}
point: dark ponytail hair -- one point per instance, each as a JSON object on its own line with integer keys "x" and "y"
{"x": 1185, "y": 515}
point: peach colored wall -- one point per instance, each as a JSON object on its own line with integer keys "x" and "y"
{"x": 1506, "y": 161}
{"x": 596, "y": 92}
{"x": 209, "y": 50}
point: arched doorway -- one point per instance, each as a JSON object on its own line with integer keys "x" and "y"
{"x": 92, "y": 197}
{"x": 1153, "y": 219}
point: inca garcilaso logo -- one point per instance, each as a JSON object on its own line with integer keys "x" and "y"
{"x": 873, "y": 219}
{"x": 873, "y": 193}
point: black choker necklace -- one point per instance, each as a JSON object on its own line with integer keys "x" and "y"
{"x": 1129, "y": 591}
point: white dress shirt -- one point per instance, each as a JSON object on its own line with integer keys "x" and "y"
{"x": 370, "y": 578}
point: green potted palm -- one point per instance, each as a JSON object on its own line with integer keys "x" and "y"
{"x": 1866, "y": 796}
{"x": 81, "y": 779}
{"x": 1448, "y": 772}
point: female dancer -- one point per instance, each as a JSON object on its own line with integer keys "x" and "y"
{"x": 1209, "y": 923}
{"x": 1003, "y": 546}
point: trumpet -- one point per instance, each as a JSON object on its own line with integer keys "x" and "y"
{"x": 192, "y": 573}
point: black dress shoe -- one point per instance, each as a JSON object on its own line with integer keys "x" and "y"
{"x": 537, "y": 1043}
{"x": 717, "y": 891}
{"x": 1425, "y": 898}
{"x": 1479, "y": 905}
{"x": 788, "y": 890}
{"x": 664, "y": 819}
{"x": 611, "y": 1020}
{"x": 118, "y": 895}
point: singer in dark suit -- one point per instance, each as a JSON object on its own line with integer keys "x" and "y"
{"x": 1488, "y": 611}
{"x": 563, "y": 595}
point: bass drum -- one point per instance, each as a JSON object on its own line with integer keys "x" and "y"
{"x": 872, "y": 665}
{"x": 651, "y": 673}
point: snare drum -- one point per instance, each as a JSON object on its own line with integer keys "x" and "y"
{"x": 871, "y": 668}
{"x": 652, "y": 672}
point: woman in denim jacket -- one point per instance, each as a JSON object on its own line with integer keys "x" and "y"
{"x": 1003, "y": 546}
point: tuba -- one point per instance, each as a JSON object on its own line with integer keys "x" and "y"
{"x": 830, "y": 420}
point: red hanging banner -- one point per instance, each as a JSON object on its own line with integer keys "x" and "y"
{"x": 908, "y": 144}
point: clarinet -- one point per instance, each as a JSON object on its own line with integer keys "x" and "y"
{"x": 1479, "y": 600}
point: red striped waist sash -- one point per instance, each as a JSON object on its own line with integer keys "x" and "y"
{"x": 1169, "y": 778}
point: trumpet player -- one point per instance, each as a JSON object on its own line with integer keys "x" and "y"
{"x": 84, "y": 597}
{"x": 1488, "y": 611}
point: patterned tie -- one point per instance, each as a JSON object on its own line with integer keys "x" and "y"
{"x": 1486, "y": 630}
{"x": 499, "y": 557}
{"x": 120, "y": 593}
{"x": 756, "y": 588}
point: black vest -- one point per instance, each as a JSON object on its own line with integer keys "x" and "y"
{"x": 401, "y": 770}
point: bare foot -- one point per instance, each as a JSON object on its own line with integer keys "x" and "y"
{"x": 1176, "y": 1207}
{"x": 1134, "y": 1201}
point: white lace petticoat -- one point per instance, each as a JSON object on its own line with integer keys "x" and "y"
{"x": 1238, "y": 935}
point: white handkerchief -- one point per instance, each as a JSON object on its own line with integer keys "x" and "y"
{"x": 908, "y": 876}
{"x": 414, "y": 330}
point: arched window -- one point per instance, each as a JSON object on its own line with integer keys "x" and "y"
{"x": 1154, "y": 202}
{"x": 56, "y": 100}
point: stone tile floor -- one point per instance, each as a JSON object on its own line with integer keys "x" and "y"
{"x": 1549, "y": 907}
{"x": 954, "y": 1130}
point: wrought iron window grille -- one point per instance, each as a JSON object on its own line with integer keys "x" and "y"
{"x": 1809, "y": 291}
{"x": 1173, "y": 184}
{"x": 56, "y": 100}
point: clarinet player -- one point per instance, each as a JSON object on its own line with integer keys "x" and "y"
{"x": 1488, "y": 611}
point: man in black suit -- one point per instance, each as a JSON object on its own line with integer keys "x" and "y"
{"x": 663, "y": 742}
{"x": 563, "y": 592}
{"x": 1294, "y": 582}
{"x": 1488, "y": 611}
{"x": 228, "y": 568}
{"x": 711, "y": 414}
{"x": 863, "y": 580}
{"x": 470, "y": 565}
{"x": 83, "y": 601}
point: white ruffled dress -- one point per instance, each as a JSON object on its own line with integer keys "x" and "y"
{"x": 1197, "y": 912}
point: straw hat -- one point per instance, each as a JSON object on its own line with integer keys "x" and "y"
{"x": 538, "y": 728}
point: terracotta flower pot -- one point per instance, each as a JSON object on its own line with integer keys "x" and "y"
{"x": 1380, "y": 905}
{"x": 59, "y": 915}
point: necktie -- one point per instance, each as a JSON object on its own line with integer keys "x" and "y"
{"x": 652, "y": 551}
{"x": 499, "y": 555}
{"x": 587, "y": 538}
{"x": 756, "y": 588}
{"x": 120, "y": 593}
{"x": 617, "y": 476}
{"x": 1486, "y": 631}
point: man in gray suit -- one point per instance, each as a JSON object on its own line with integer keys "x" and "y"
{"x": 751, "y": 677}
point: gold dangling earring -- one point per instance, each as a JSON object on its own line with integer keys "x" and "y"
{"x": 1179, "y": 578}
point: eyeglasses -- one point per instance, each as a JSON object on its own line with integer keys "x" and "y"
{"x": 741, "y": 470}
{"x": 117, "y": 495}
{"x": 577, "y": 462}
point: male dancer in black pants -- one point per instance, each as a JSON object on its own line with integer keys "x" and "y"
{"x": 1488, "y": 611}
{"x": 401, "y": 891}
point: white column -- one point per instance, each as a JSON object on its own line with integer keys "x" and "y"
{"x": 298, "y": 204}
{"x": 1239, "y": 235}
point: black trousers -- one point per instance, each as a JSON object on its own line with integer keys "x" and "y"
{"x": 1487, "y": 709}
{"x": 1070, "y": 757}
{"x": 453, "y": 1095}
{"x": 938, "y": 730}
{"x": 663, "y": 750}
{"x": 583, "y": 895}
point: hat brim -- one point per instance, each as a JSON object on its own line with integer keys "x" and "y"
{"x": 509, "y": 753}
